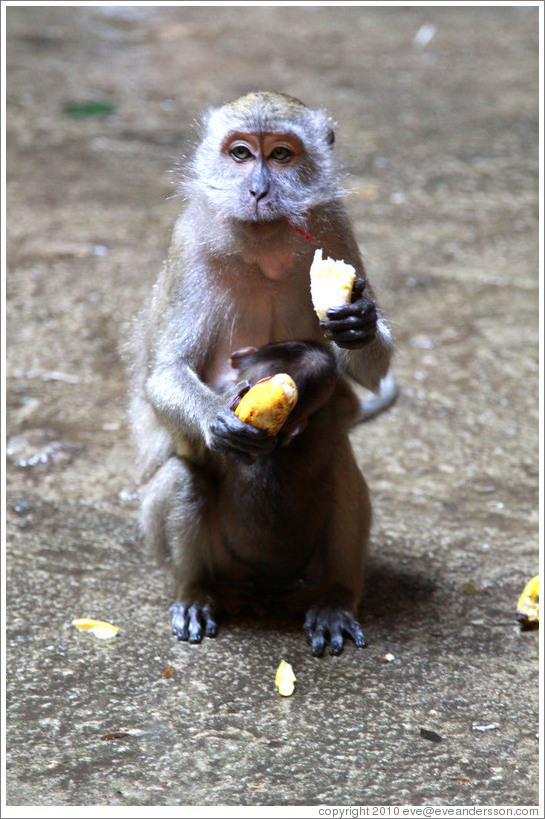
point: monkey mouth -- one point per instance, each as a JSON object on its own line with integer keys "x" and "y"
{"x": 262, "y": 216}
{"x": 273, "y": 219}
{"x": 262, "y": 212}
{"x": 262, "y": 226}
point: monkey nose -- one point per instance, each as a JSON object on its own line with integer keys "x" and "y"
{"x": 259, "y": 191}
{"x": 259, "y": 183}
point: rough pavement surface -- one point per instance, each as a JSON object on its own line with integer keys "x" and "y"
{"x": 438, "y": 129}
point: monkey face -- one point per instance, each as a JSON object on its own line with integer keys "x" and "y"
{"x": 265, "y": 158}
{"x": 265, "y": 171}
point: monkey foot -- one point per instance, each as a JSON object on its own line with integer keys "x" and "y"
{"x": 323, "y": 625}
{"x": 193, "y": 621}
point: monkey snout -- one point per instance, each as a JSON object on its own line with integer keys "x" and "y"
{"x": 259, "y": 191}
{"x": 259, "y": 184}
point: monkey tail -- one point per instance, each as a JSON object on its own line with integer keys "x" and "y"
{"x": 387, "y": 396}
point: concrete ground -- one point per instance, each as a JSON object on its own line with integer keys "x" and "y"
{"x": 438, "y": 129}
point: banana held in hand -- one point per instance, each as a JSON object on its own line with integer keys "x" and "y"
{"x": 268, "y": 403}
{"x": 331, "y": 283}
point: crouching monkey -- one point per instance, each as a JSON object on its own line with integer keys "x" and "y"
{"x": 233, "y": 507}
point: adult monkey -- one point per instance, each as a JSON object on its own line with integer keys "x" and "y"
{"x": 223, "y": 499}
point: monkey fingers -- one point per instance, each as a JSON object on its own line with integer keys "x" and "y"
{"x": 323, "y": 624}
{"x": 192, "y": 622}
{"x": 352, "y": 325}
{"x": 357, "y": 289}
{"x": 232, "y": 436}
{"x": 241, "y": 388}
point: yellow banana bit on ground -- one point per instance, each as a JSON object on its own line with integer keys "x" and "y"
{"x": 331, "y": 283}
{"x": 285, "y": 679}
{"x": 528, "y": 603}
{"x": 100, "y": 629}
{"x": 268, "y": 403}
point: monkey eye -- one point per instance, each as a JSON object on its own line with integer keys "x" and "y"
{"x": 281, "y": 154}
{"x": 241, "y": 153}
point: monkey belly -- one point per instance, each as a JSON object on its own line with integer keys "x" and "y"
{"x": 269, "y": 523}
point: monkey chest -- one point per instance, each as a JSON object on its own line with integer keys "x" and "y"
{"x": 256, "y": 328}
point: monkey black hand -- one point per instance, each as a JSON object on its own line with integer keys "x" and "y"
{"x": 193, "y": 621}
{"x": 323, "y": 624}
{"x": 232, "y": 436}
{"x": 353, "y": 325}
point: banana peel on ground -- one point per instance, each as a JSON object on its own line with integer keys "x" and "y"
{"x": 285, "y": 679}
{"x": 528, "y": 604}
{"x": 100, "y": 629}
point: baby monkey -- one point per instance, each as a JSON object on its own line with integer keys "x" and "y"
{"x": 233, "y": 508}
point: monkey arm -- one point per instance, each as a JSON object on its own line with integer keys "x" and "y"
{"x": 182, "y": 402}
{"x": 232, "y": 436}
{"x": 371, "y": 363}
{"x": 188, "y": 408}
{"x": 362, "y": 338}
{"x": 363, "y": 341}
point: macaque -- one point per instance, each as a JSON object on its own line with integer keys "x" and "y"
{"x": 232, "y": 507}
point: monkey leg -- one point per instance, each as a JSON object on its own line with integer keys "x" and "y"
{"x": 331, "y": 623}
{"x": 193, "y": 622}
{"x": 331, "y": 614}
{"x": 177, "y": 521}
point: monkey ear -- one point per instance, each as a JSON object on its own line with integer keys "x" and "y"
{"x": 330, "y": 138}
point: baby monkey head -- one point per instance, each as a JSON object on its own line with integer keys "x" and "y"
{"x": 265, "y": 157}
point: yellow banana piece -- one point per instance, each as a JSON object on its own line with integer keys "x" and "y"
{"x": 331, "y": 283}
{"x": 285, "y": 679}
{"x": 268, "y": 403}
{"x": 100, "y": 629}
{"x": 528, "y": 603}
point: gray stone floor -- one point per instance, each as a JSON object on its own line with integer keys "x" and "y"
{"x": 440, "y": 140}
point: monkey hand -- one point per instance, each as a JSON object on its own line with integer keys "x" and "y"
{"x": 352, "y": 325}
{"x": 193, "y": 621}
{"x": 330, "y": 623}
{"x": 231, "y": 436}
